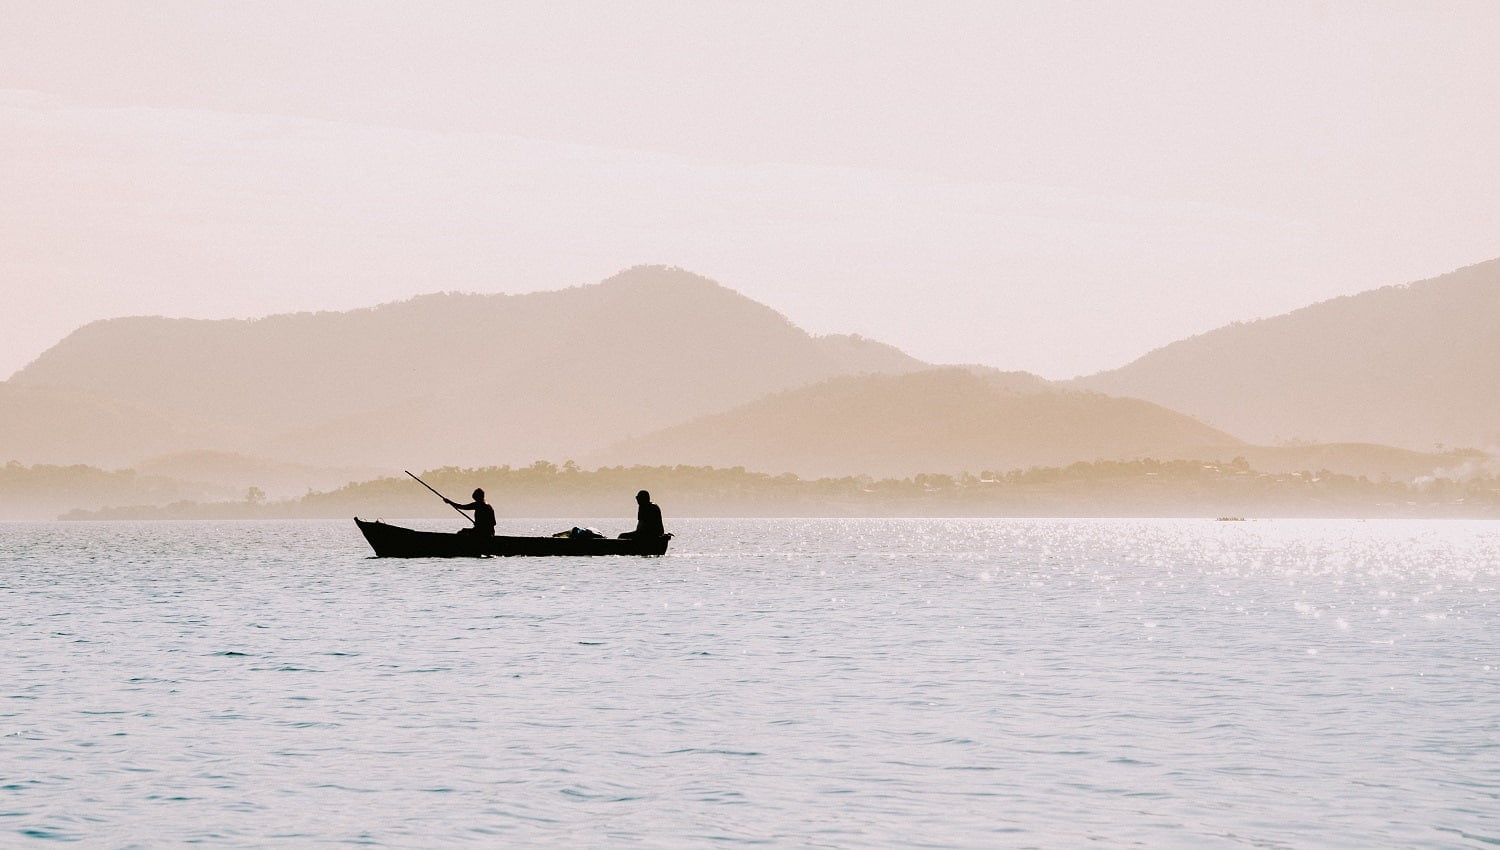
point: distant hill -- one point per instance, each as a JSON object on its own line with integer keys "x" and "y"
{"x": 1411, "y": 366}
{"x": 238, "y": 473}
{"x": 45, "y": 491}
{"x": 939, "y": 420}
{"x": 63, "y": 425}
{"x": 660, "y": 366}
{"x": 436, "y": 380}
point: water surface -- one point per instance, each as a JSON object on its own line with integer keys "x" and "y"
{"x": 799, "y": 683}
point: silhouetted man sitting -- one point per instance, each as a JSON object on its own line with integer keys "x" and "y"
{"x": 647, "y": 519}
{"x": 484, "y": 515}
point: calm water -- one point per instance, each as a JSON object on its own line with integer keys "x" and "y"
{"x": 799, "y": 683}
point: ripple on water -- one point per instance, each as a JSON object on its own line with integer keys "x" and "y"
{"x": 855, "y": 683}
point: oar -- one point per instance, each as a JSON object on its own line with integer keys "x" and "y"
{"x": 440, "y": 496}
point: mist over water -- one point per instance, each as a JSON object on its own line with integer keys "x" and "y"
{"x": 839, "y": 683}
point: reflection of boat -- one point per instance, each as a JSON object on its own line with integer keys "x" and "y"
{"x": 393, "y": 541}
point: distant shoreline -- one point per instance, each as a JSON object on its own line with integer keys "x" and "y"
{"x": 1139, "y": 488}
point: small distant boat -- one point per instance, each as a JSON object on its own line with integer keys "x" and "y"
{"x": 393, "y": 541}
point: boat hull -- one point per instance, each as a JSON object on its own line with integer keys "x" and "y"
{"x": 393, "y": 541}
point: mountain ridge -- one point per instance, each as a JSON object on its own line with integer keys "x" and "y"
{"x": 646, "y": 356}
{"x": 1411, "y": 365}
{"x": 946, "y": 419}
{"x": 445, "y": 377}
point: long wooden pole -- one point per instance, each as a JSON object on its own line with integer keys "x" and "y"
{"x": 440, "y": 496}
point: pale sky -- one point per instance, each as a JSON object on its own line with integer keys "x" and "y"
{"x": 1056, "y": 187}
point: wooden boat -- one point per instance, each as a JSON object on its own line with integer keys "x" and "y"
{"x": 393, "y": 541}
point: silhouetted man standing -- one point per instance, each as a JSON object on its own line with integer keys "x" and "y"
{"x": 484, "y": 515}
{"x": 647, "y": 519}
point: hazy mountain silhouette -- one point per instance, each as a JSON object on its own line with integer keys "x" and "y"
{"x": 439, "y": 379}
{"x": 1412, "y": 366}
{"x": 45, "y": 424}
{"x": 237, "y": 473}
{"x": 659, "y": 366}
{"x": 939, "y": 420}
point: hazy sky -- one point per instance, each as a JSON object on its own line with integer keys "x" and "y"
{"x": 1052, "y": 186}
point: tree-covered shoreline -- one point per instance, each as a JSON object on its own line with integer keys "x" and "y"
{"x": 1144, "y": 487}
